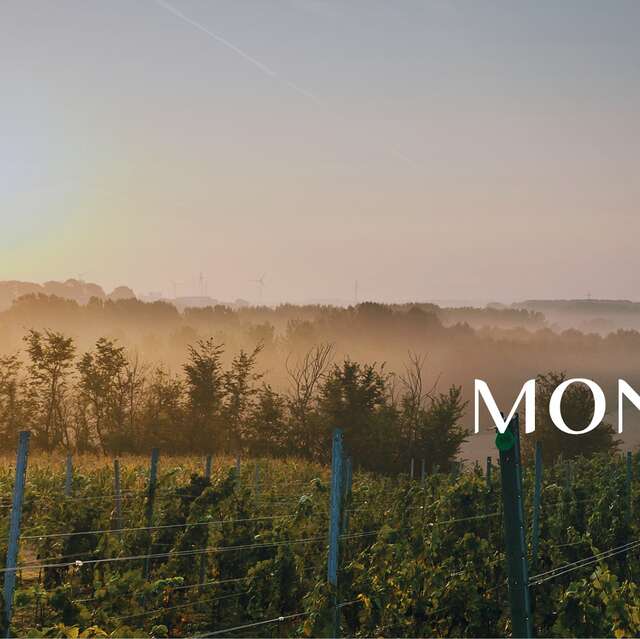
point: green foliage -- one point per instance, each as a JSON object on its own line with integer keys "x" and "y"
{"x": 599, "y": 606}
{"x": 104, "y": 388}
{"x": 114, "y": 405}
{"x": 51, "y": 357}
{"x": 12, "y": 406}
{"x": 418, "y": 559}
{"x": 205, "y": 391}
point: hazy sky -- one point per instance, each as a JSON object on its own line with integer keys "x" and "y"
{"x": 433, "y": 149}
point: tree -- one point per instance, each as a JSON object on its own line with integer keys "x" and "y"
{"x": 205, "y": 386}
{"x": 577, "y": 407}
{"x": 51, "y": 357}
{"x": 430, "y": 421}
{"x": 162, "y": 414}
{"x": 413, "y": 399}
{"x": 355, "y": 398}
{"x": 266, "y": 432}
{"x": 305, "y": 377}
{"x": 439, "y": 434}
{"x": 102, "y": 387}
{"x": 239, "y": 386}
{"x": 135, "y": 379}
{"x": 11, "y": 403}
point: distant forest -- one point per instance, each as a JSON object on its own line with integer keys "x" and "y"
{"x": 119, "y": 375}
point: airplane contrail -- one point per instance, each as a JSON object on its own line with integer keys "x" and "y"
{"x": 263, "y": 67}
{"x": 249, "y": 58}
{"x": 405, "y": 158}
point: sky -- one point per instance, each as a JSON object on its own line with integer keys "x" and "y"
{"x": 430, "y": 150}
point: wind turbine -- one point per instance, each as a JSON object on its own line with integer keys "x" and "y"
{"x": 203, "y": 285}
{"x": 260, "y": 283}
{"x": 82, "y": 283}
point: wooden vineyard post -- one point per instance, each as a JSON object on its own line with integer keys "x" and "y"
{"x": 537, "y": 493}
{"x": 202, "y": 573}
{"x": 566, "y": 505}
{"x": 411, "y": 469}
{"x": 68, "y": 479}
{"x": 202, "y": 576}
{"x": 629, "y": 483}
{"x": 151, "y": 496}
{"x": 117, "y": 492}
{"x": 508, "y": 444}
{"x": 334, "y": 524}
{"x": 256, "y": 481}
{"x": 14, "y": 529}
{"x": 423, "y": 470}
{"x": 489, "y": 479}
{"x": 238, "y": 469}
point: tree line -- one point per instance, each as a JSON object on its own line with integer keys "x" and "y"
{"x": 495, "y": 345}
{"x": 105, "y": 401}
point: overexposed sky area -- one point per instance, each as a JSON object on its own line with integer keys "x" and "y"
{"x": 428, "y": 149}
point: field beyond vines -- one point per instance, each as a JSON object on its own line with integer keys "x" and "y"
{"x": 246, "y": 555}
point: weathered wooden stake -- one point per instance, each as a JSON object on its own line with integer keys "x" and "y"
{"x": 629, "y": 482}
{"x": 423, "y": 470}
{"x": 511, "y": 475}
{"x": 334, "y": 524}
{"x": 537, "y": 493}
{"x": 151, "y": 496}
{"x": 68, "y": 479}
{"x": 14, "y": 529}
{"x": 117, "y": 491}
{"x": 256, "y": 481}
{"x": 202, "y": 573}
{"x": 411, "y": 471}
{"x": 566, "y": 491}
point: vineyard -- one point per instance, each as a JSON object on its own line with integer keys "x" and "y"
{"x": 261, "y": 547}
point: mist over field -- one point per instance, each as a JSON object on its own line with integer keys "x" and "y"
{"x": 450, "y": 346}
